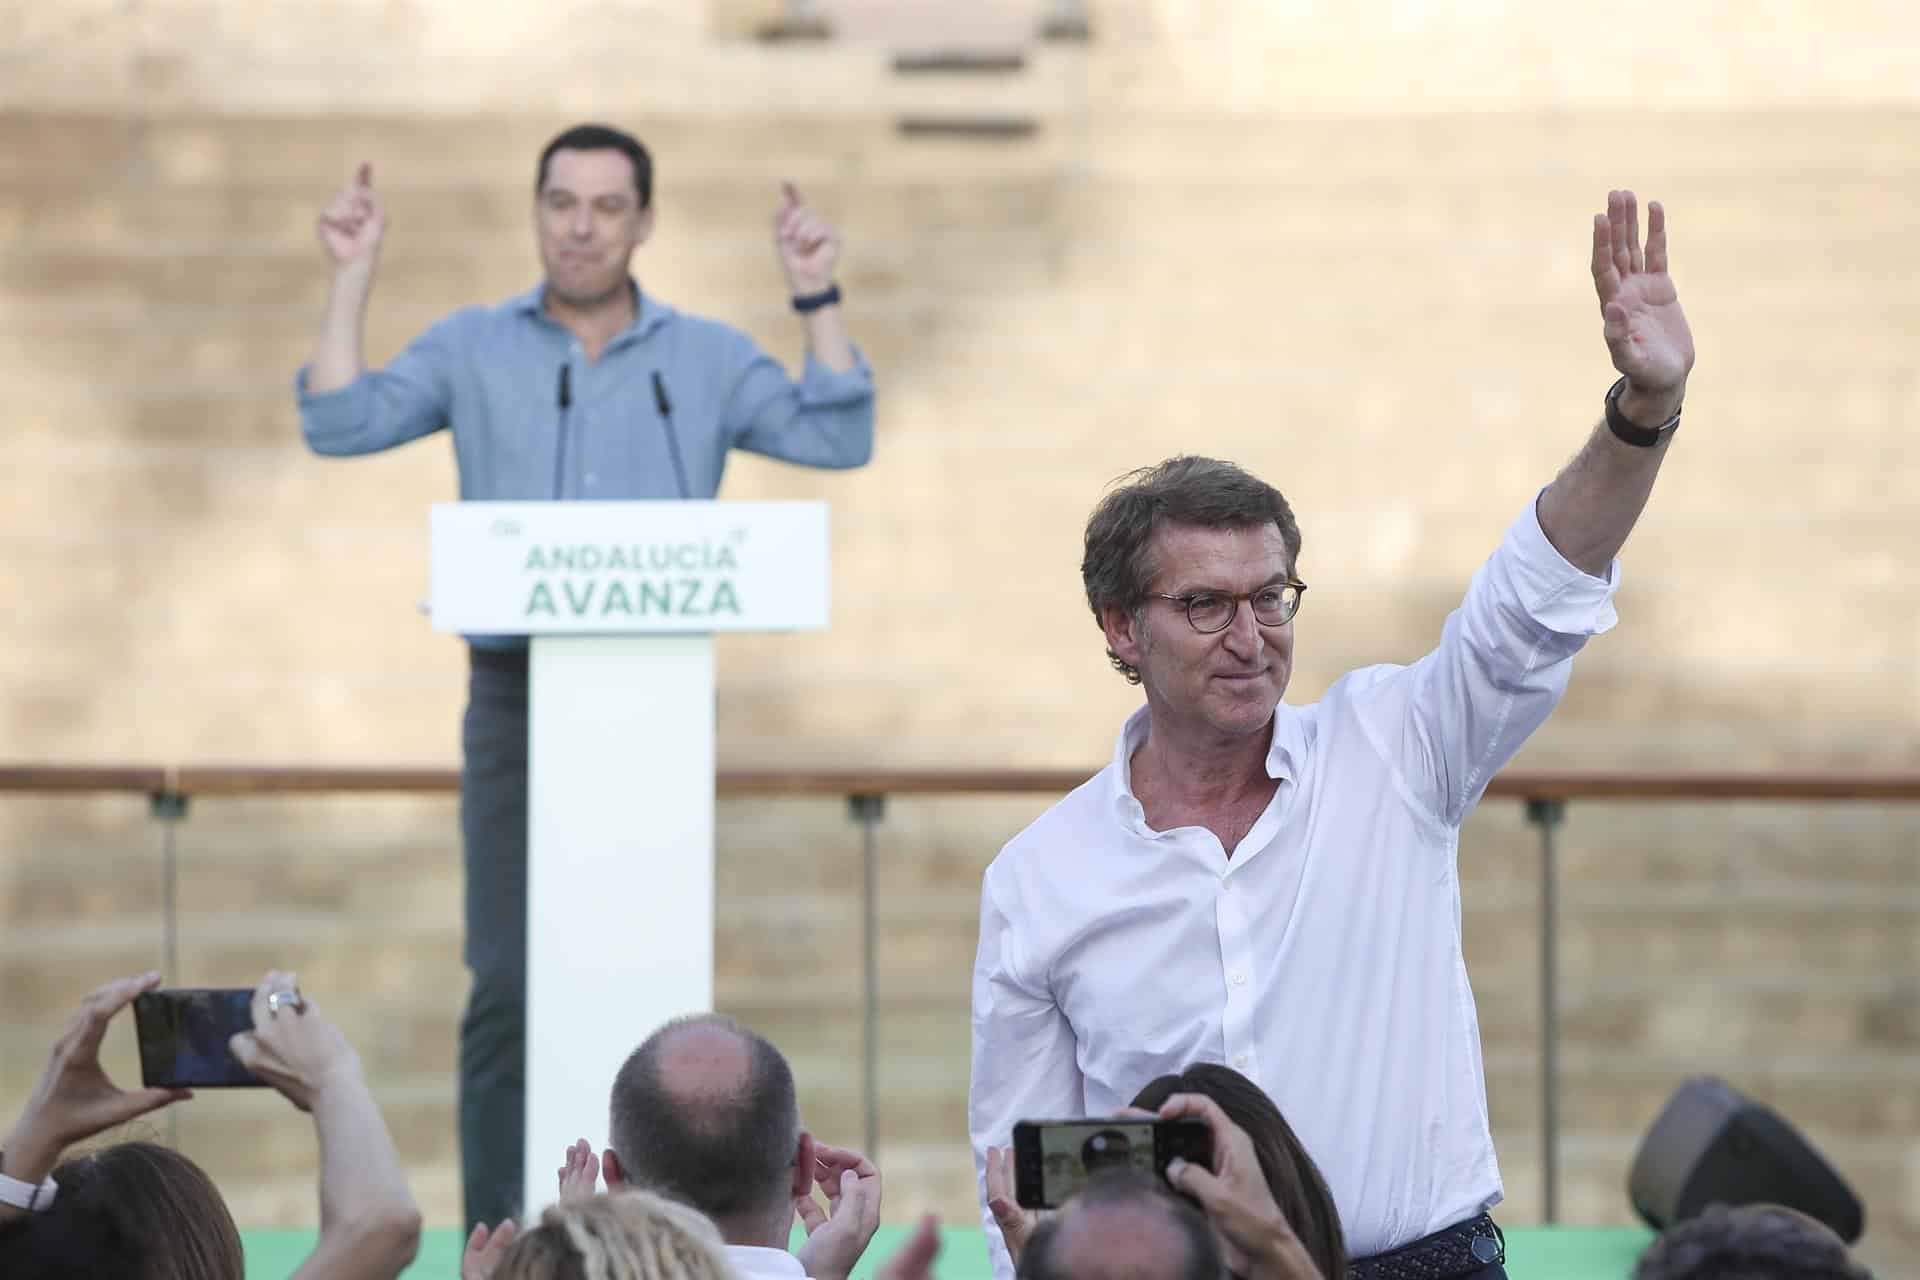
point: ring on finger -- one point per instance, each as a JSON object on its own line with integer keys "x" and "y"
{"x": 290, "y": 998}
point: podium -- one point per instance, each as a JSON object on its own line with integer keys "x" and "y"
{"x": 620, "y": 601}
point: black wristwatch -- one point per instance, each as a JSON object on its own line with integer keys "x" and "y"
{"x": 1632, "y": 432}
{"x": 805, "y": 302}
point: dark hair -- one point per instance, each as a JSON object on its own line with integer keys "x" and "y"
{"x": 601, "y": 137}
{"x": 724, "y": 1147}
{"x": 1291, "y": 1174}
{"x": 1755, "y": 1242}
{"x": 1117, "y": 568}
{"x": 134, "y": 1209}
{"x": 1135, "y": 1192}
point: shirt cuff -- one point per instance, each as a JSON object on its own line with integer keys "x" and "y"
{"x": 821, "y": 385}
{"x": 338, "y": 411}
{"x": 1554, "y": 592}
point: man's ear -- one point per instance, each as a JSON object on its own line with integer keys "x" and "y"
{"x": 1125, "y": 633}
{"x": 803, "y": 1166}
{"x": 610, "y": 1170}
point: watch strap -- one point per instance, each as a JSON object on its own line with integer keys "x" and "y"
{"x": 1632, "y": 432}
{"x": 805, "y": 302}
{"x": 33, "y": 1197}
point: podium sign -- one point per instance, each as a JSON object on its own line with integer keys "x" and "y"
{"x": 619, "y": 600}
{"x": 613, "y": 568}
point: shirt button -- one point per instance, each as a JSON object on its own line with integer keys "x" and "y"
{"x": 1239, "y": 979}
{"x": 1240, "y": 1060}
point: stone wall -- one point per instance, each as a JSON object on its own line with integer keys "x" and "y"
{"x": 1345, "y": 245}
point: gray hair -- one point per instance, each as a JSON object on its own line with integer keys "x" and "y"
{"x": 1118, "y": 567}
{"x": 613, "y": 1237}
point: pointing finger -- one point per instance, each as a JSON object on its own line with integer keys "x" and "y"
{"x": 363, "y": 176}
{"x": 791, "y": 195}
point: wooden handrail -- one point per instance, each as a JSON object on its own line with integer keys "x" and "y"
{"x": 252, "y": 780}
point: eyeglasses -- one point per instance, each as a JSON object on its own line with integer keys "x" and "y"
{"x": 1211, "y": 611}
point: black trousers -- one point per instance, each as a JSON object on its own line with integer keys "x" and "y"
{"x": 493, "y": 1034}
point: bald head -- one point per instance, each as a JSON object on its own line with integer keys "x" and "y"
{"x": 1124, "y": 1226}
{"x": 704, "y": 1111}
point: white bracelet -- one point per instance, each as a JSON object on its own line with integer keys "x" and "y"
{"x": 26, "y": 1195}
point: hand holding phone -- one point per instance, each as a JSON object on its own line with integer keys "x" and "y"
{"x": 75, "y": 1099}
{"x": 296, "y": 1048}
{"x": 1054, "y": 1159}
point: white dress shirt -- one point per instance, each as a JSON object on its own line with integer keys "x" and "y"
{"x": 753, "y": 1263}
{"x": 1322, "y": 959}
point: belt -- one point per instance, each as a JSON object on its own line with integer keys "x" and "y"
{"x": 1458, "y": 1250}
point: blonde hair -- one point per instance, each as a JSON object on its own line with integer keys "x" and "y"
{"x": 630, "y": 1235}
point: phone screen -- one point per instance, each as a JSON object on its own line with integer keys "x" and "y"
{"x": 1054, "y": 1159}
{"x": 183, "y": 1035}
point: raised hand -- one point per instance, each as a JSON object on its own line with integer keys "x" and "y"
{"x": 1016, "y": 1225}
{"x": 914, "y": 1259}
{"x": 1646, "y": 331}
{"x": 74, "y": 1099}
{"x": 1234, "y": 1193}
{"x": 484, "y": 1248}
{"x": 839, "y": 1234}
{"x": 293, "y": 1046}
{"x": 353, "y": 223}
{"x": 809, "y": 247}
{"x": 580, "y": 1175}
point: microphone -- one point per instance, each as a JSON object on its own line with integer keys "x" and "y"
{"x": 665, "y": 406}
{"x": 563, "y": 397}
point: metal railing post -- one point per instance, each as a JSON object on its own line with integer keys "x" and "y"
{"x": 868, "y": 810}
{"x": 1547, "y": 813}
{"x": 169, "y": 809}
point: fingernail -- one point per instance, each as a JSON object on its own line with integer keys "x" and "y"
{"x": 1175, "y": 1167}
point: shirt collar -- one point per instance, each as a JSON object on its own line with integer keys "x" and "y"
{"x": 1286, "y": 752}
{"x": 649, "y": 313}
{"x": 757, "y": 1260}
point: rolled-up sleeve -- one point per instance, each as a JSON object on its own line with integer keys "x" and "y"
{"x": 823, "y": 420}
{"x": 1024, "y": 1061}
{"x": 409, "y": 398}
{"x": 1450, "y": 721}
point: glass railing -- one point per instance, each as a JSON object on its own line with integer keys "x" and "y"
{"x": 1622, "y": 932}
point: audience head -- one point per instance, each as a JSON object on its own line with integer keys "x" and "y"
{"x": 1754, "y": 1242}
{"x": 135, "y": 1210}
{"x": 629, "y": 1235}
{"x": 705, "y": 1111}
{"x": 1124, "y": 1225}
{"x": 1290, "y": 1173}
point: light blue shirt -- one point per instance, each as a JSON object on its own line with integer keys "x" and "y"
{"x": 494, "y": 375}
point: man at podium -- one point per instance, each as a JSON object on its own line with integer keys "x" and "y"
{"x": 582, "y": 388}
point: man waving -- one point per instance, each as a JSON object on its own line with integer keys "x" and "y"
{"x": 1274, "y": 887}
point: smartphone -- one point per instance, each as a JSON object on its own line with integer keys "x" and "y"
{"x": 183, "y": 1035}
{"x": 1053, "y": 1159}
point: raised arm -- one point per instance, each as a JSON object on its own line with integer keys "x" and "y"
{"x": 809, "y": 250}
{"x": 351, "y": 228}
{"x": 369, "y": 1223}
{"x": 1591, "y": 507}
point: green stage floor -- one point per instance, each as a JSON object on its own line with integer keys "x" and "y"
{"x": 1533, "y": 1253}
